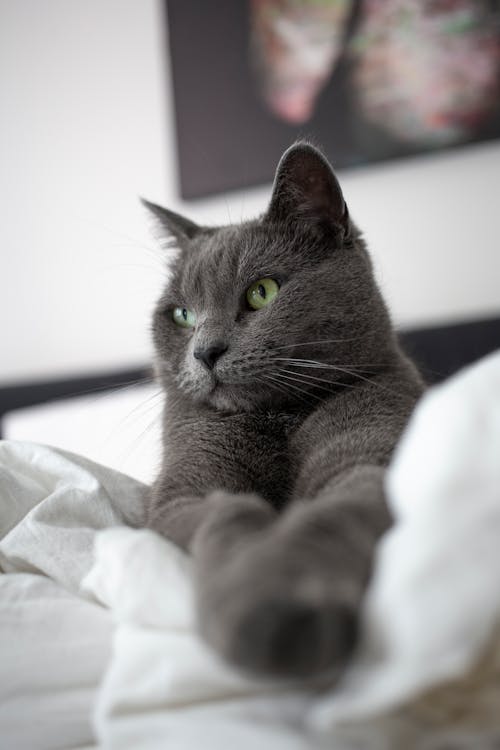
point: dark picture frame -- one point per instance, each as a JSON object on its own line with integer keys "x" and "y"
{"x": 226, "y": 136}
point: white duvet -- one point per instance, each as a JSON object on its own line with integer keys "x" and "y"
{"x": 97, "y": 640}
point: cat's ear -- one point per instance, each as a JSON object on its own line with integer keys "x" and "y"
{"x": 171, "y": 224}
{"x": 306, "y": 188}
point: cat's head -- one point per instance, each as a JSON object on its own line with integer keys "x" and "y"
{"x": 273, "y": 312}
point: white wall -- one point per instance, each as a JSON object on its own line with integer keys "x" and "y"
{"x": 86, "y": 126}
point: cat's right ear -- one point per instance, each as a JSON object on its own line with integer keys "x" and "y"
{"x": 305, "y": 188}
{"x": 170, "y": 225}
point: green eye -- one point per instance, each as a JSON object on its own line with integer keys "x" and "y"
{"x": 261, "y": 293}
{"x": 184, "y": 317}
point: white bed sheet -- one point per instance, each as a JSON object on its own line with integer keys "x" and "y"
{"x": 120, "y": 429}
{"x": 97, "y": 637}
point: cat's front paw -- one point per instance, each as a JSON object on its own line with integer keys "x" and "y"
{"x": 220, "y": 518}
{"x": 275, "y": 621}
{"x": 293, "y": 638}
{"x": 179, "y": 519}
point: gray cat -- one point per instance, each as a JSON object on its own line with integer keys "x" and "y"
{"x": 286, "y": 392}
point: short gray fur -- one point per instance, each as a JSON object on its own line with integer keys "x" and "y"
{"x": 274, "y": 459}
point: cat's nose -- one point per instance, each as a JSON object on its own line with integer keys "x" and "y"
{"x": 210, "y": 354}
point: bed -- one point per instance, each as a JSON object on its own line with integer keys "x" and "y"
{"x": 98, "y": 644}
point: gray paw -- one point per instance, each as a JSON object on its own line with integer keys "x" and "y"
{"x": 292, "y": 638}
{"x": 179, "y": 519}
{"x": 284, "y": 623}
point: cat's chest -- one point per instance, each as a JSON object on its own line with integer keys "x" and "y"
{"x": 244, "y": 453}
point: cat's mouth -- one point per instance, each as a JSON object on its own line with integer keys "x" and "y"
{"x": 220, "y": 387}
{"x": 226, "y": 396}
{"x": 213, "y": 382}
{"x": 213, "y": 386}
{"x": 221, "y": 380}
{"x": 222, "y": 390}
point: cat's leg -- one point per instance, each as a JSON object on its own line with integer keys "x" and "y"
{"x": 242, "y": 455}
{"x": 178, "y": 519}
{"x": 235, "y": 516}
{"x": 286, "y": 601}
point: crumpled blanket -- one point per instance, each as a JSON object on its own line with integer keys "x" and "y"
{"x": 97, "y": 639}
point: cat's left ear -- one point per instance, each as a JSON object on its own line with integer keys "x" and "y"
{"x": 171, "y": 224}
{"x": 306, "y": 188}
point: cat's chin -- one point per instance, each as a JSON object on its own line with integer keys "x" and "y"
{"x": 232, "y": 398}
{"x": 229, "y": 398}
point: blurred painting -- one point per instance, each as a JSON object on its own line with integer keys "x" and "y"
{"x": 367, "y": 80}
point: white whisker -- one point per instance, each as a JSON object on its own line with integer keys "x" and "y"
{"x": 321, "y": 341}
{"x": 312, "y": 377}
{"x": 287, "y": 388}
{"x": 277, "y": 377}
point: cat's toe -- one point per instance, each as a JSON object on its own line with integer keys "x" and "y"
{"x": 294, "y": 638}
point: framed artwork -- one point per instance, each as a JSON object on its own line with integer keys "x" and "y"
{"x": 367, "y": 80}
